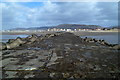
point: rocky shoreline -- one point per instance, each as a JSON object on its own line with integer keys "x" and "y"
{"x": 13, "y": 43}
{"x": 59, "y": 55}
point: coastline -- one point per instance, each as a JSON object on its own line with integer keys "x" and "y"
{"x": 79, "y": 33}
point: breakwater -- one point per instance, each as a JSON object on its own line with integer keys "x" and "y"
{"x": 59, "y": 55}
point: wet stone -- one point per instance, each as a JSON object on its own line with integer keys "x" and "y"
{"x": 11, "y": 74}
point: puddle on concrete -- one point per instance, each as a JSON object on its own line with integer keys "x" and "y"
{"x": 7, "y": 61}
{"x": 35, "y": 63}
{"x": 53, "y": 59}
{"x": 34, "y": 48}
{"x": 29, "y": 76}
{"x": 11, "y": 74}
{"x": 26, "y": 68}
{"x": 13, "y": 67}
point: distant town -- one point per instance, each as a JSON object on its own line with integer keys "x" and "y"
{"x": 66, "y": 30}
{"x": 64, "y": 27}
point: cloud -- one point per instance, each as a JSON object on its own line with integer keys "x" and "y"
{"x": 13, "y": 15}
{"x": 53, "y": 13}
{"x": 18, "y": 1}
{"x": 60, "y": 0}
{"x": 109, "y": 11}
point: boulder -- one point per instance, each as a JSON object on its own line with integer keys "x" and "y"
{"x": 17, "y": 42}
{"x": 66, "y": 75}
{"x": 84, "y": 39}
{"x": 2, "y": 46}
{"x": 99, "y": 41}
{"x": 117, "y": 47}
{"x": 95, "y": 40}
{"x": 33, "y": 37}
{"x": 103, "y": 42}
{"x": 59, "y": 33}
{"x": 89, "y": 40}
{"x": 11, "y": 40}
{"x": 47, "y": 35}
{"x": 50, "y": 35}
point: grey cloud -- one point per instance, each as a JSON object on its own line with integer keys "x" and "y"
{"x": 17, "y": 15}
{"x": 109, "y": 10}
{"x": 70, "y": 12}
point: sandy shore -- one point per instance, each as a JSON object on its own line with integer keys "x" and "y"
{"x": 79, "y": 33}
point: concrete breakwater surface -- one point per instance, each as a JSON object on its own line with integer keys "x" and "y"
{"x": 59, "y": 55}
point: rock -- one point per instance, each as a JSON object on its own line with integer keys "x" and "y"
{"x": 82, "y": 60}
{"x": 29, "y": 76}
{"x": 58, "y": 75}
{"x": 89, "y": 39}
{"x": 104, "y": 43}
{"x": 66, "y": 75}
{"x": 94, "y": 40}
{"x": 17, "y": 42}
{"x": 2, "y": 46}
{"x": 117, "y": 47}
{"x": 33, "y": 37}
{"x": 97, "y": 68}
{"x": 58, "y": 33}
{"x": 76, "y": 75}
{"x": 11, "y": 40}
{"x": 52, "y": 75}
{"x": 84, "y": 39}
{"x": 47, "y": 35}
{"x": 101, "y": 40}
{"x": 50, "y": 35}
{"x": 90, "y": 66}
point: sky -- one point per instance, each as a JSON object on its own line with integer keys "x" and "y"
{"x": 36, "y": 14}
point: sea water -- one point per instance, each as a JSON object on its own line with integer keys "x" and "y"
{"x": 112, "y": 39}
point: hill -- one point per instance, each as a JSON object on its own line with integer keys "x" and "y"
{"x": 62, "y": 26}
{"x": 77, "y": 26}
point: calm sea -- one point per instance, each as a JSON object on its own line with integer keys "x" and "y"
{"x": 113, "y": 39}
